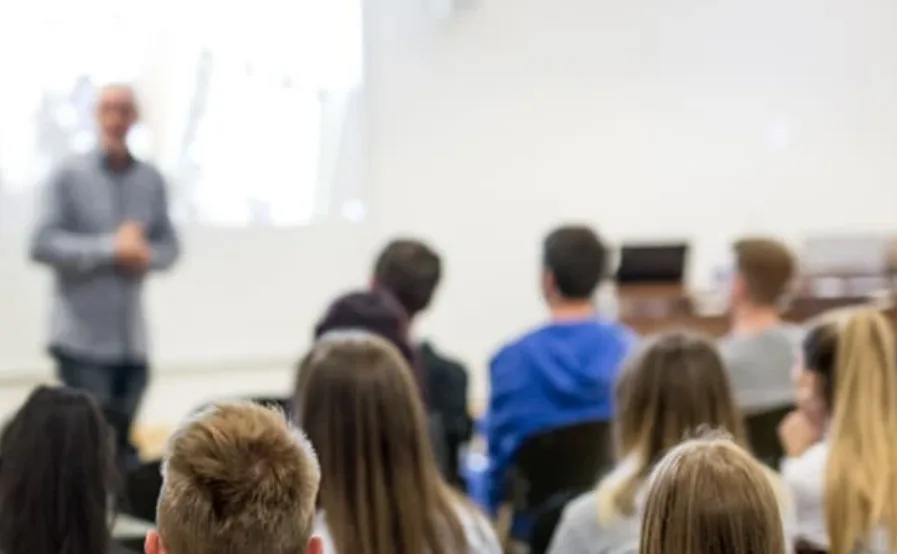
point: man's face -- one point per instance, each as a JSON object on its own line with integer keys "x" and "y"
{"x": 116, "y": 114}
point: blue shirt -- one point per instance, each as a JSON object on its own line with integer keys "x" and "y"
{"x": 97, "y": 310}
{"x": 558, "y": 375}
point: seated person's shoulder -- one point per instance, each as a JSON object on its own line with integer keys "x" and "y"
{"x": 622, "y": 333}
{"x": 480, "y": 535}
{"x": 786, "y": 336}
{"x": 582, "y": 512}
{"x": 809, "y": 466}
{"x": 432, "y": 357}
{"x": 513, "y": 350}
{"x": 582, "y": 530}
{"x": 514, "y": 347}
{"x": 589, "y": 334}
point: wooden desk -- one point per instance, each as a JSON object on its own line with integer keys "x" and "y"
{"x": 714, "y": 326}
{"x": 804, "y": 310}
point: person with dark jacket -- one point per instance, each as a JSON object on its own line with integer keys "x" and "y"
{"x": 410, "y": 271}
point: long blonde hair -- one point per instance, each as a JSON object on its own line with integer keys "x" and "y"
{"x": 711, "y": 497}
{"x": 381, "y": 491}
{"x": 856, "y": 356}
{"x": 673, "y": 388}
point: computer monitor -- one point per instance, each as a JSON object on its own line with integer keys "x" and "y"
{"x": 652, "y": 264}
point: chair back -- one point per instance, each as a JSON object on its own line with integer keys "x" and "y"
{"x": 552, "y": 468}
{"x": 142, "y": 487}
{"x": 803, "y": 547}
{"x": 763, "y": 433}
{"x": 280, "y": 402}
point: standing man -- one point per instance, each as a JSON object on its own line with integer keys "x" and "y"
{"x": 104, "y": 226}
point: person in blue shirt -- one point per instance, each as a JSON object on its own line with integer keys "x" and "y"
{"x": 563, "y": 372}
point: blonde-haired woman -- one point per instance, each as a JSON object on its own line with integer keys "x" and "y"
{"x": 711, "y": 497}
{"x": 675, "y": 387}
{"x": 381, "y": 491}
{"x": 841, "y": 443}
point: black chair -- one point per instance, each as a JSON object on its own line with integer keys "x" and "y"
{"x": 142, "y": 487}
{"x": 126, "y": 455}
{"x": 549, "y": 470}
{"x": 763, "y": 433}
{"x": 803, "y": 547}
{"x": 280, "y": 402}
{"x": 127, "y": 546}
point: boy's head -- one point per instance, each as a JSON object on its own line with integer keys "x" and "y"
{"x": 573, "y": 263}
{"x": 410, "y": 271}
{"x": 764, "y": 270}
{"x": 238, "y": 479}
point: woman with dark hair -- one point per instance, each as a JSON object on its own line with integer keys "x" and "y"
{"x": 56, "y": 476}
{"x": 376, "y": 312}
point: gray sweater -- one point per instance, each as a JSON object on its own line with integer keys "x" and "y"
{"x": 760, "y": 366}
{"x": 97, "y": 311}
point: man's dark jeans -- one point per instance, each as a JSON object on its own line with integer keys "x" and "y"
{"x": 117, "y": 387}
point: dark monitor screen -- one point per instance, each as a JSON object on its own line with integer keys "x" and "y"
{"x": 652, "y": 264}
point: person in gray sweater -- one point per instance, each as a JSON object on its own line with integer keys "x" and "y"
{"x": 760, "y": 351}
{"x": 672, "y": 389}
{"x": 103, "y": 226}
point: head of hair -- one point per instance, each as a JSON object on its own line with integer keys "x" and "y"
{"x": 381, "y": 490}
{"x": 410, "y": 270}
{"x": 238, "y": 478}
{"x": 711, "y": 497}
{"x": 376, "y": 312}
{"x": 575, "y": 258}
{"x": 767, "y": 268}
{"x": 674, "y": 387}
{"x": 854, "y": 355}
{"x": 57, "y": 476}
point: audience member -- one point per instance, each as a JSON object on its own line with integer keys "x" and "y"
{"x": 711, "y": 497}
{"x": 376, "y": 312}
{"x": 840, "y": 444}
{"x": 57, "y": 476}
{"x": 379, "y": 313}
{"x": 381, "y": 492}
{"x": 238, "y": 479}
{"x": 563, "y": 372}
{"x": 761, "y": 349}
{"x": 410, "y": 271}
{"x": 675, "y": 387}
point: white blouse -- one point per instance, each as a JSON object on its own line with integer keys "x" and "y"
{"x": 804, "y": 475}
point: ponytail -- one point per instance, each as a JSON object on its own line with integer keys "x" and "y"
{"x": 861, "y": 476}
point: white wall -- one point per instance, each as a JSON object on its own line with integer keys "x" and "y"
{"x": 701, "y": 119}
